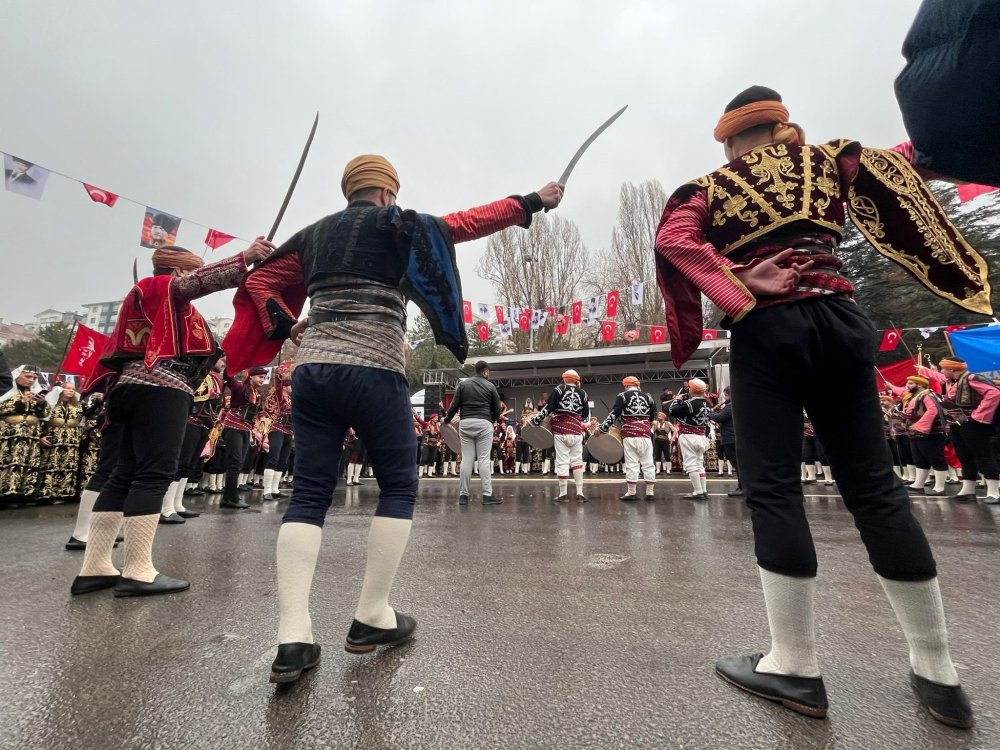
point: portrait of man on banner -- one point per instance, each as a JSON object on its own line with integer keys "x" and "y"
{"x": 159, "y": 229}
{"x": 23, "y": 177}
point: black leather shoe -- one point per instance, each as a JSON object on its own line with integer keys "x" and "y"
{"x": 188, "y": 514}
{"x": 930, "y": 492}
{"x": 75, "y": 545}
{"x": 86, "y": 584}
{"x": 696, "y": 496}
{"x": 629, "y": 497}
{"x": 196, "y": 492}
{"x": 990, "y": 500}
{"x": 561, "y": 499}
{"x": 581, "y": 498}
{"x": 966, "y": 497}
{"x": 161, "y": 585}
{"x": 804, "y": 695}
{"x": 947, "y": 703}
{"x": 463, "y": 499}
{"x": 491, "y": 500}
{"x": 363, "y": 638}
{"x": 738, "y": 492}
{"x": 237, "y": 503}
{"x": 172, "y": 518}
{"x": 292, "y": 660}
{"x": 650, "y": 498}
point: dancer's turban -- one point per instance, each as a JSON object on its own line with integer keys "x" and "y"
{"x": 953, "y": 364}
{"x": 922, "y": 382}
{"x": 177, "y": 258}
{"x": 571, "y": 376}
{"x": 630, "y": 381}
{"x": 758, "y": 105}
{"x": 369, "y": 171}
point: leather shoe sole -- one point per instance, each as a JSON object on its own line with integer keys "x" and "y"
{"x": 490, "y": 500}
{"x": 160, "y": 585}
{"x": 188, "y": 514}
{"x": 292, "y": 660}
{"x": 363, "y": 639}
{"x": 803, "y": 695}
{"x": 628, "y": 498}
{"x": 231, "y": 504}
{"x": 87, "y": 584}
{"x": 947, "y": 703}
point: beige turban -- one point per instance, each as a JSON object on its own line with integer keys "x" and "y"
{"x": 177, "y": 258}
{"x": 369, "y": 171}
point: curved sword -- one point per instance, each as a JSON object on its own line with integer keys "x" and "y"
{"x": 586, "y": 144}
{"x": 295, "y": 180}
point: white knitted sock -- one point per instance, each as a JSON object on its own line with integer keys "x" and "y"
{"x": 695, "y": 482}
{"x": 918, "y": 608}
{"x": 993, "y": 487}
{"x": 298, "y": 550}
{"x": 82, "y": 529}
{"x": 939, "y": 480}
{"x": 179, "y": 495}
{"x": 968, "y": 487}
{"x": 139, "y": 534}
{"x": 167, "y": 508}
{"x": 562, "y": 486}
{"x": 578, "y": 480}
{"x": 790, "y": 617}
{"x": 101, "y": 540}
{"x": 386, "y": 543}
{"x": 919, "y": 477}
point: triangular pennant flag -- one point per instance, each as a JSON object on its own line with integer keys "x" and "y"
{"x": 100, "y": 196}
{"x": 215, "y": 239}
{"x": 928, "y": 332}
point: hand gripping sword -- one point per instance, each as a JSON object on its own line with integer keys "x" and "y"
{"x": 586, "y": 144}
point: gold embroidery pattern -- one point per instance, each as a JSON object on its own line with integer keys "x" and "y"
{"x": 770, "y": 166}
{"x": 733, "y": 206}
{"x": 945, "y": 244}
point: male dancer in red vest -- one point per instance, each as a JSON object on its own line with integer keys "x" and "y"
{"x": 163, "y": 349}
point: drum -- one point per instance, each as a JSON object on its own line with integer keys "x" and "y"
{"x": 539, "y": 437}
{"x": 450, "y": 434}
{"x": 606, "y": 447}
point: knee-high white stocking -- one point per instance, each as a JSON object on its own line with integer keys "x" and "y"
{"x": 790, "y": 618}
{"x": 298, "y": 550}
{"x": 918, "y": 608}
{"x": 386, "y": 543}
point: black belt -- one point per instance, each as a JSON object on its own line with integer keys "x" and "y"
{"x": 318, "y": 316}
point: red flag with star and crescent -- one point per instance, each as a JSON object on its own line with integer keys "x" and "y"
{"x": 215, "y": 239}
{"x": 707, "y": 334}
{"x": 499, "y": 312}
{"x": 608, "y": 330}
{"x": 657, "y": 334}
{"x": 612, "y": 304}
{"x": 100, "y": 196}
{"x": 524, "y": 320}
{"x": 577, "y": 312}
{"x": 890, "y": 339}
{"x": 483, "y": 329}
{"x": 467, "y": 310}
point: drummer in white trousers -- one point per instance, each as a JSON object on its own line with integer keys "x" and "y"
{"x": 479, "y": 403}
{"x": 570, "y": 409}
{"x": 635, "y": 410}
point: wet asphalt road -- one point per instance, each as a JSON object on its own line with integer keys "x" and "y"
{"x": 540, "y": 626}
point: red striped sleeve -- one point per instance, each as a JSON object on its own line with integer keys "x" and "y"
{"x": 482, "y": 221}
{"x": 682, "y": 242}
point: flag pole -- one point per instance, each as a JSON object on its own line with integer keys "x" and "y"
{"x": 69, "y": 340}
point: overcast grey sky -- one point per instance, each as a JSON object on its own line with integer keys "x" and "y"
{"x": 201, "y": 109}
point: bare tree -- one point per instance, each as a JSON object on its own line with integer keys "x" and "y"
{"x": 631, "y": 257}
{"x": 539, "y": 268}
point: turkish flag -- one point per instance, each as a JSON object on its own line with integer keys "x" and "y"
{"x": 524, "y": 320}
{"x": 708, "y": 334}
{"x": 466, "y": 311}
{"x": 608, "y": 330}
{"x": 890, "y": 339}
{"x": 577, "y": 312}
{"x": 214, "y": 239}
{"x": 500, "y": 316}
{"x": 562, "y": 324}
{"x": 612, "y": 305}
{"x": 952, "y": 329}
{"x": 657, "y": 334}
{"x": 84, "y": 351}
{"x": 970, "y": 191}
{"x": 100, "y": 196}
{"x": 484, "y": 331}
